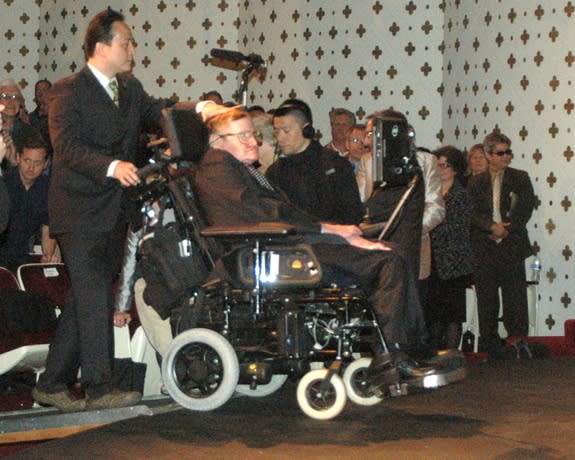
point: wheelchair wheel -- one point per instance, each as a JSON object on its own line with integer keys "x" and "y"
{"x": 260, "y": 391}
{"x": 200, "y": 370}
{"x": 318, "y": 404}
{"x": 357, "y": 384}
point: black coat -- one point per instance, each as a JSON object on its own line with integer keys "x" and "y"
{"x": 517, "y": 202}
{"x": 320, "y": 182}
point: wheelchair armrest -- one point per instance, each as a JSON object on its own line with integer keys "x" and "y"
{"x": 372, "y": 230}
{"x": 261, "y": 230}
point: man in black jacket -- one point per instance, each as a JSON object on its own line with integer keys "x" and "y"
{"x": 503, "y": 202}
{"x": 314, "y": 178}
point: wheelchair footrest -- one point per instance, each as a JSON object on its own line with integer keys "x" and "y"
{"x": 439, "y": 378}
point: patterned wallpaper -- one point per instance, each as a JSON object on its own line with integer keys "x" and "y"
{"x": 510, "y": 65}
{"x": 457, "y": 68}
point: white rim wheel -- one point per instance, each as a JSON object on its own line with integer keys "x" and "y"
{"x": 267, "y": 389}
{"x": 200, "y": 370}
{"x": 357, "y": 384}
{"x": 317, "y": 404}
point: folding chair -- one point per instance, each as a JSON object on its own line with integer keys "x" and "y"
{"x": 49, "y": 279}
{"x": 8, "y": 280}
{"x": 30, "y": 357}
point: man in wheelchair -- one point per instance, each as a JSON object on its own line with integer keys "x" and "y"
{"x": 232, "y": 192}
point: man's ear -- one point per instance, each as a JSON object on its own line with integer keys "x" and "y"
{"x": 99, "y": 48}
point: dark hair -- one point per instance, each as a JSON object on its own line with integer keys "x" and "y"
{"x": 256, "y": 108}
{"x": 100, "y": 30}
{"x": 454, "y": 157}
{"x": 295, "y": 106}
{"x": 494, "y": 138}
{"x": 34, "y": 140}
{"x": 39, "y": 82}
{"x": 212, "y": 93}
{"x": 389, "y": 113}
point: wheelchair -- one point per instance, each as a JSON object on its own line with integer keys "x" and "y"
{"x": 256, "y": 313}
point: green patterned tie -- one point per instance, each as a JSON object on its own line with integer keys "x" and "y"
{"x": 115, "y": 91}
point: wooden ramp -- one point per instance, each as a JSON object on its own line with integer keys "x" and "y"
{"x": 40, "y": 424}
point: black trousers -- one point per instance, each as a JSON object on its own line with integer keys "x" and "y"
{"x": 387, "y": 278}
{"x": 501, "y": 267}
{"x": 85, "y": 337}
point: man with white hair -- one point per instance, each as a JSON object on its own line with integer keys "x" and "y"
{"x": 15, "y": 121}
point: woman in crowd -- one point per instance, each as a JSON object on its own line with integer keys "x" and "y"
{"x": 451, "y": 250}
{"x": 476, "y": 160}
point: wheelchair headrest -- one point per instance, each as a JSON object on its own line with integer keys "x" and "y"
{"x": 186, "y": 133}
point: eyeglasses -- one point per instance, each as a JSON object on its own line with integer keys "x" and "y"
{"x": 244, "y": 136}
{"x": 500, "y": 153}
{"x": 368, "y": 134}
{"x": 9, "y": 97}
{"x": 443, "y": 165}
{"x": 356, "y": 140}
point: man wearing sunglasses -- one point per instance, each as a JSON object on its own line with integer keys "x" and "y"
{"x": 503, "y": 202}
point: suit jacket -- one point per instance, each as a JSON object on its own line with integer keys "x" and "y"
{"x": 88, "y": 132}
{"x": 230, "y": 195}
{"x": 516, "y": 205}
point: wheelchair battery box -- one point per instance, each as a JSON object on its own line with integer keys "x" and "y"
{"x": 279, "y": 266}
{"x": 294, "y": 340}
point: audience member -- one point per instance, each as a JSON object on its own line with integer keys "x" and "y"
{"x": 445, "y": 310}
{"x": 313, "y": 177}
{"x": 355, "y": 146}
{"x": 15, "y": 121}
{"x": 4, "y": 202}
{"x": 256, "y": 110}
{"x": 39, "y": 116}
{"x": 476, "y": 160}
{"x": 503, "y": 202}
{"x": 433, "y": 212}
{"x": 95, "y": 119}
{"x": 267, "y": 142}
{"x": 28, "y": 193}
{"x": 341, "y": 121}
{"x": 213, "y": 95}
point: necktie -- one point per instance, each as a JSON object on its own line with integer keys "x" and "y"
{"x": 262, "y": 180}
{"x": 497, "y": 200}
{"x": 115, "y": 91}
{"x": 497, "y": 197}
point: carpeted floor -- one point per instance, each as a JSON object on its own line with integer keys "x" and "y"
{"x": 508, "y": 409}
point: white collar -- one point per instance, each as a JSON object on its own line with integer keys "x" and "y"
{"x": 103, "y": 79}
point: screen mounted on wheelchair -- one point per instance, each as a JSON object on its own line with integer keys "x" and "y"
{"x": 186, "y": 133}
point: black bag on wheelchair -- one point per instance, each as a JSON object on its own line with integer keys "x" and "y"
{"x": 171, "y": 263}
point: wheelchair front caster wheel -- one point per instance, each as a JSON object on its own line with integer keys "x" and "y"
{"x": 319, "y": 399}
{"x": 200, "y": 369}
{"x": 357, "y": 384}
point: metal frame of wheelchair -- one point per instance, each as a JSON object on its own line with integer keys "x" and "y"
{"x": 271, "y": 321}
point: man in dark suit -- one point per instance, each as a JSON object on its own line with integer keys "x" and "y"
{"x": 95, "y": 118}
{"x": 232, "y": 192}
{"x": 503, "y": 201}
